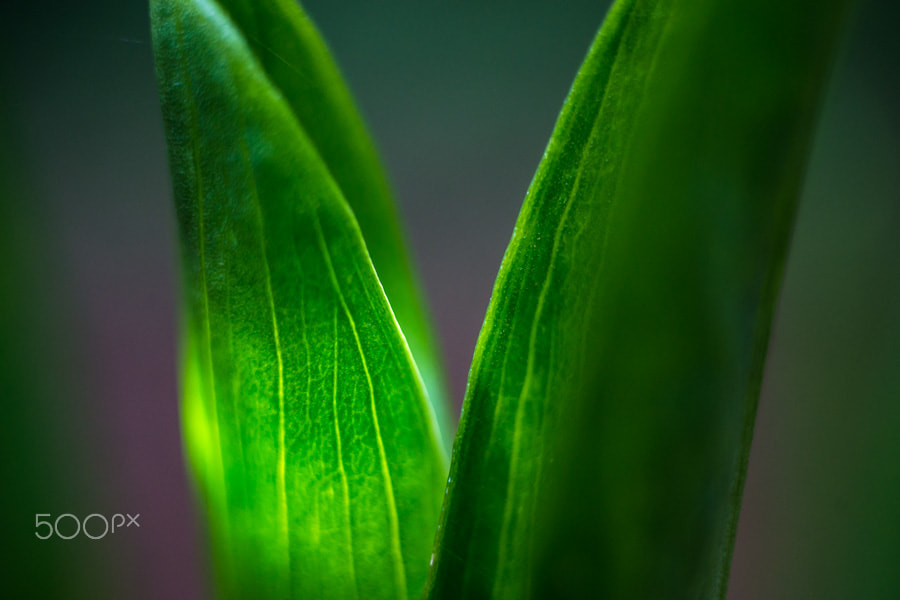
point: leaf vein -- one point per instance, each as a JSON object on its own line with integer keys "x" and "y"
{"x": 340, "y": 455}
{"x": 281, "y": 490}
{"x": 399, "y": 569}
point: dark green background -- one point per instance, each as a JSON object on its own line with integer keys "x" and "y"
{"x": 461, "y": 97}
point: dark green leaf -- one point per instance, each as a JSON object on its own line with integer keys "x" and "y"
{"x": 305, "y": 419}
{"x": 296, "y": 61}
{"x": 609, "y": 412}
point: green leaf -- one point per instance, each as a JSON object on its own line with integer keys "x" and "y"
{"x": 610, "y": 406}
{"x": 305, "y": 419}
{"x": 296, "y": 61}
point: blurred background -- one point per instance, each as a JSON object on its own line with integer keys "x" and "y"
{"x": 461, "y": 98}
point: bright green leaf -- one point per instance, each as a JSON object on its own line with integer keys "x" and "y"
{"x": 305, "y": 419}
{"x": 296, "y": 61}
{"x": 608, "y": 417}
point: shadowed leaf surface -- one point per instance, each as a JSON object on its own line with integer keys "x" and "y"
{"x": 605, "y": 431}
{"x": 305, "y": 420}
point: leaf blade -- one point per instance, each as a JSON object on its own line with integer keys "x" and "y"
{"x": 297, "y": 61}
{"x": 299, "y": 386}
{"x": 531, "y": 513}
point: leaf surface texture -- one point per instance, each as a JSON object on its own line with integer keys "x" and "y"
{"x": 297, "y": 62}
{"x": 608, "y": 416}
{"x": 305, "y": 419}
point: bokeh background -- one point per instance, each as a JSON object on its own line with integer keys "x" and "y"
{"x": 461, "y": 98}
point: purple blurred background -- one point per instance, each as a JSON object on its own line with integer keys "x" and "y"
{"x": 461, "y": 98}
